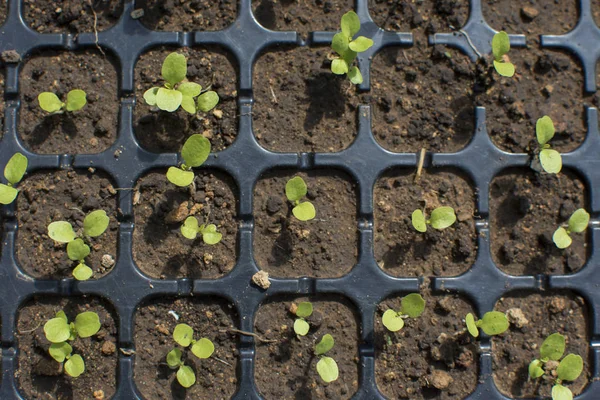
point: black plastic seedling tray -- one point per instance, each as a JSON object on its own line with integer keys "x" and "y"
{"x": 366, "y": 285}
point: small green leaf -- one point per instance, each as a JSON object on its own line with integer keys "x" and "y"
{"x": 301, "y": 327}
{"x": 15, "y": 168}
{"x": 544, "y": 130}
{"x": 207, "y": 101}
{"x": 76, "y": 100}
{"x": 77, "y": 250}
{"x": 82, "y": 272}
{"x": 559, "y": 392}
{"x": 327, "y": 369}
{"x": 350, "y": 24}
{"x": 304, "y": 211}
{"x": 324, "y": 345}
{"x": 551, "y": 161}
{"x": 500, "y": 45}
{"x": 60, "y": 351}
{"x": 561, "y": 238}
{"x": 295, "y": 189}
{"x": 355, "y": 76}
{"x": 168, "y": 100}
{"x": 579, "y": 221}
{"x": 195, "y": 150}
{"x": 339, "y": 66}
{"x": 413, "y": 305}
{"x": 471, "y": 326}
{"x": 188, "y": 104}
{"x": 442, "y": 217}
{"x": 174, "y": 68}
{"x": 61, "y": 314}
{"x": 553, "y": 347}
{"x": 183, "y": 334}
{"x": 75, "y": 366}
{"x": 305, "y": 309}
{"x": 95, "y": 223}
{"x": 150, "y": 96}
{"x": 174, "y": 358}
{"x": 418, "y": 221}
{"x": 570, "y": 367}
{"x": 8, "y": 194}
{"x": 504, "y": 68}
{"x": 535, "y": 369}
{"x": 203, "y": 348}
{"x": 185, "y": 376}
{"x": 392, "y": 321}
{"x": 190, "y": 89}
{"x": 340, "y": 43}
{"x": 494, "y": 323}
{"x": 180, "y": 177}
{"x": 87, "y": 324}
{"x": 360, "y": 44}
{"x": 349, "y": 56}
{"x": 61, "y": 231}
{"x": 57, "y": 330}
{"x": 189, "y": 229}
{"x": 50, "y": 102}
{"x": 210, "y": 235}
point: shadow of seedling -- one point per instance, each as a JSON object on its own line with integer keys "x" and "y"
{"x": 62, "y": 123}
{"x": 326, "y": 99}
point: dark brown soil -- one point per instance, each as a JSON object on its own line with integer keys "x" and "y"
{"x": 3, "y": 11}
{"x": 402, "y": 251}
{"x": 40, "y": 376}
{"x": 159, "y": 248}
{"x": 303, "y": 17}
{"x": 325, "y": 247}
{"x": 405, "y": 360}
{"x": 300, "y": 104}
{"x": 216, "y": 377}
{"x": 194, "y": 15}
{"x": 525, "y": 210}
{"x": 596, "y": 11}
{"x": 161, "y": 131}
{"x": 515, "y": 349}
{"x": 72, "y": 16}
{"x": 428, "y": 15}
{"x": 63, "y": 196}
{"x": 1, "y": 97}
{"x": 286, "y": 369}
{"x": 90, "y": 130}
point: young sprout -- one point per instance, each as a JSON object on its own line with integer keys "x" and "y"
{"x": 550, "y": 159}
{"x": 578, "y": 222}
{"x": 295, "y": 189}
{"x": 304, "y": 310}
{"x": 347, "y": 48}
{"x": 326, "y": 366}
{"x": 190, "y": 230}
{"x": 441, "y": 218}
{"x": 176, "y": 92}
{"x": 412, "y": 306}
{"x": 58, "y": 330}
{"x": 94, "y": 225}
{"x": 568, "y": 369}
{"x": 203, "y": 348}
{"x": 13, "y": 172}
{"x": 194, "y": 152}
{"x": 50, "y": 102}
{"x": 500, "y": 47}
{"x": 492, "y": 323}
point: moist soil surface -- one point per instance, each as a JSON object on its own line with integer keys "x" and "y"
{"x": 543, "y": 315}
{"x": 41, "y": 377}
{"x": 286, "y": 368}
{"x": 194, "y": 15}
{"x": 159, "y": 248}
{"x": 161, "y": 131}
{"x": 2, "y": 78}
{"x": 423, "y": 16}
{"x": 90, "y": 130}
{"x": 3, "y": 11}
{"x": 46, "y": 197}
{"x": 525, "y": 210}
{"x": 402, "y": 251}
{"x": 429, "y": 358}
{"x": 325, "y": 247}
{"x": 71, "y": 16}
{"x": 216, "y": 377}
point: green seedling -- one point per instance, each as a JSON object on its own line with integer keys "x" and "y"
{"x": 441, "y": 218}
{"x": 50, "y": 102}
{"x": 412, "y": 306}
{"x": 326, "y": 366}
{"x": 94, "y": 225}
{"x": 58, "y": 330}
{"x": 347, "y": 48}
{"x": 578, "y": 223}
{"x": 492, "y": 323}
{"x": 202, "y": 348}
{"x": 13, "y": 172}
{"x": 500, "y": 47}
{"x": 304, "y": 310}
{"x": 190, "y": 230}
{"x": 550, "y": 159}
{"x": 295, "y": 190}
{"x": 179, "y": 92}
{"x": 194, "y": 152}
{"x": 568, "y": 369}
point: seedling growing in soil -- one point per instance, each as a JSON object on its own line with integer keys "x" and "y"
{"x": 50, "y": 102}
{"x": 13, "y": 172}
{"x": 296, "y": 189}
{"x": 304, "y": 310}
{"x": 194, "y": 152}
{"x": 500, "y": 47}
{"x": 568, "y": 369}
{"x": 347, "y": 48}
{"x": 441, "y": 218}
{"x": 492, "y": 323}
{"x": 94, "y": 225}
{"x": 58, "y": 330}
{"x": 203, "y": 348}
{"x": 176, "y": 92}
{"x": 412, "y": 306}
{"x": 550, "y": 159}
{"x": 577, "y": 223}
{"x": 190, "y": 230}
{"x": 326, "y": 366}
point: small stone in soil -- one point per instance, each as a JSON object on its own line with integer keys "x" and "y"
{"x": 108, "y": 348}
{"x": 557, "y": 305}
{"x": 261, "y": 279}
{"x": 516, "y": 317}
{"x": 440, "y": 379}
{"x": 529, "y": 12}
{"x": 274, "y": 204}
{"x": 98, "y": 395}
{"x": 108, "y": 261}
{"x": 10, "y": 56}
